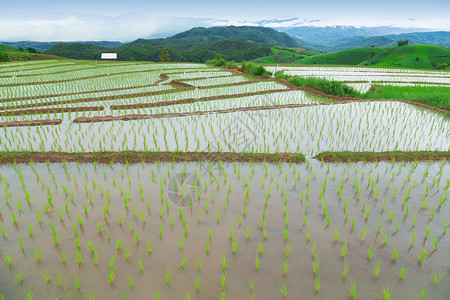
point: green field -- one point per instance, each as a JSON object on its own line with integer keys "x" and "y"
{"x": 411, "y": 56}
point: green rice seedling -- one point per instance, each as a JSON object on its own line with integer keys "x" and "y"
{"x": 119, "y": 244}
{"x": 336, "y": 235}
{"x": 224, "y": 277}
{"x": 313, "y": 249}
{"x": 423, "y": 293}
{"x": 427, "y": 232}
{"x": 283, "y": 289}
{"x": 197, "y": 283}
{"x": 308, "y": 235}
{"x": 208, "y": 246}
{"x": 79, "y": 256}
{"x": 77, "y": 281}
{"x": 257, "y": 262}
{"x": 435, "y": 243}
{"x": 234, "y": 245}
{"x": 316, "y": 264}
{"x": 444, "y": 226}
{"x": 149, "y": 246}
{"x": 30, "y": 230}
{"x": 46, "y": 278}
{"x": 19, "y": 277}
{"x": 247, "y": 233}
{"x": 422, "y": 255}
{"x": 251, "y": 283}
{"x": 199, "y": 264}
{"x": 370, "y": 252}
{"x": 385, "y": 238}
{"x": 8, "y": 260}
{"x": 160, "y": 231}
{"x": 395, "y": 254}
{"x": 183, "y": 262}
{"x": 317, "y": 284}
{"x": 413, "y": 237}
{"x": 131, "y": 282}
{"x": 386, "y": 293}
{"x": 287, "y": 250}
{"x": 352, "y": 291}
{"x": 436, "y": 277}
{"x": 376, "y": 269}
{"x": 403, "y": 273}
{"x": 127, "y": 252}
{"x": 344, "y": 249}
{"x": 37, "y": 255}
{"x": 168, "y": 276}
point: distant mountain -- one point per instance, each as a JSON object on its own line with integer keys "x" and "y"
{"x": 433, "y": 37}
{"x": 256, "y": 34}
{"x": 42, "y": 46}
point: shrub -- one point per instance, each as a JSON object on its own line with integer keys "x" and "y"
{"x": 252, "y": 68}
{"x": 4, "y": 57}
{"x": 442, "y": 66}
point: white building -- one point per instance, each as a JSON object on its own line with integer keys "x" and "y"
{"x": 109, "y": 56}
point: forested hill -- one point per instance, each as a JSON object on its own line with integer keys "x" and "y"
{"x": 195, "y": 45}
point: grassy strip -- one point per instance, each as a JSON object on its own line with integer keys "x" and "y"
{"x": 393, "y": 156}
{"x": 334, "y": 88}
{"x": 431, "y": 95}
{"x": 145, "y": 156}
{"x": 149, "y": 156}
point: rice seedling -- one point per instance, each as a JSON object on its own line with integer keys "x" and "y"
{"x": 395, "y": 254}
{"x": 386, "y": 293}
{"x": 346, "y": 269}
{"x": 316, "y": 264}
{"x": 352, "y": 291}
{"x": 376, "y": 269}
{"x": 317, "y": 284}
{"x": 422, "y": 255}
{"x": 436, "y": 277}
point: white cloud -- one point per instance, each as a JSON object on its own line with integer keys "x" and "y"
{"x": 83, "y": 27}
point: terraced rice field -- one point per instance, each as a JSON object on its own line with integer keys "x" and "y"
{"x": 362, "y": 79}
{"x": 186, "y": 181}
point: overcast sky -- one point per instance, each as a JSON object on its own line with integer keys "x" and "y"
{"x": 61, "y": 20}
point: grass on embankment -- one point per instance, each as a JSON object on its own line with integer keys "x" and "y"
{"x": 431, "y": 95}
{"x": 334, "y": 88}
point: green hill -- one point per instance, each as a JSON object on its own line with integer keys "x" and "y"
{"x": 281, "y": 55}
{"x": 181, "y": 50}
{"x": 410, "y": 56}
{"x": 198, "y": 44}
{"x": 262, "y": 35}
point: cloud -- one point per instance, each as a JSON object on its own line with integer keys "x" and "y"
{"x": 128, "y": 27}
{"x": 94, "y": 27}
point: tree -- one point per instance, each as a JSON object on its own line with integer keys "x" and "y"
{"x": 402, "y": 43}
{"x": 164, "y": 56}
{"x": 31, "y": 50}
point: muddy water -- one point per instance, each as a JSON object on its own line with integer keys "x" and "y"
{"x": 293, "y": 186}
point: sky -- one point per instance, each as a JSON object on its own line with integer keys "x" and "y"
{"x": 82, "y": 20}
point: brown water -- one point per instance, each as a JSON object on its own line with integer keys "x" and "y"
{"x": 240, "y": 267}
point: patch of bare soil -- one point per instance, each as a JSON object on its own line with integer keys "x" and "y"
{"x": 30, "y": 123}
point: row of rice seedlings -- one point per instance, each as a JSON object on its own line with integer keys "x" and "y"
{"x": 310, "y": 130}
{"x": 359, "y": 70}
